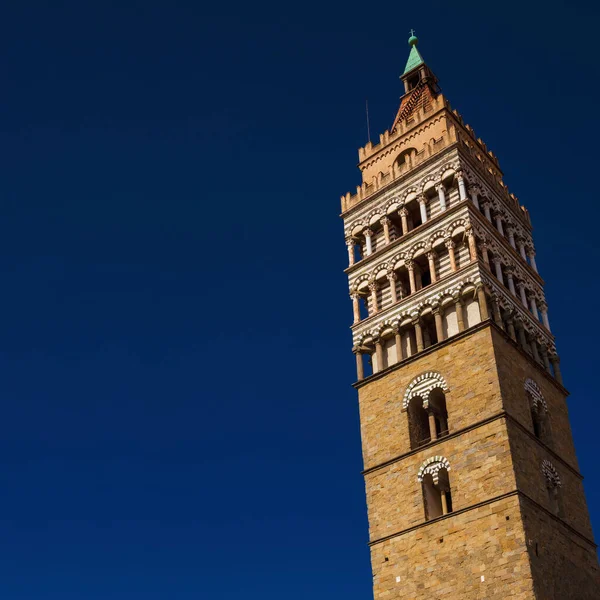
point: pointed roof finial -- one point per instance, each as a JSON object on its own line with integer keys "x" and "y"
{"x": 414, "y": 58}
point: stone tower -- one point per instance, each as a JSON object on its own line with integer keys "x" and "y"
{"x": 473, "y": 487}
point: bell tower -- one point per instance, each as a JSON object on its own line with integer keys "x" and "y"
{"x": 473, "y": 486}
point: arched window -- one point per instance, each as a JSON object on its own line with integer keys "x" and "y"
{"x": 437, "y": 406}
{"x": 553, "y": 485}
{"x": 425, "y": 401}
{"x": 418, "y": 423}
{"x": 435, "y": 482}
{"x": 539, "y": 412}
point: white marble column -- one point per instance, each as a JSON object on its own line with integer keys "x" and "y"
{"x": 511, "y": 237}
{"x": 472, "y": 244}
{"x": 419, "y": 334}
{"x": 522, "y": 250}
{"x": 373, "y": 288}
{"x": 556, "y": 366}
{"x": 531, "y": 255}
{"x": 450, "y": 245}
{"x": 441, "y": 195}
{"x": 431, "y": 259}
{"x": 521, "y": 287}
{"x": 496, "y": 312}
{"x": 499, "y": 224}
{"x": 487, "y": 212}
{"x": 483, "y": 308}
{"x": 403, "y": 212}
{"x": 379, "y": 354}
{"x": 385, "y": 222}
{"x": 474, "y": 199}
{"x": 462, "y": 190}
{"x": 410, "y": 265}
{"x": 360, "y": 370}
{"x": 511, "y": 282}
{"x": 485, "y": 255}
{"x": 391, "y": 275}
{"x": 544, "y": 312}
{"x": 533, "y": 306}
{"x": 350, "y": 244}
{"x": 498, "y": 266}
{"x": 398, "y": 341}
{"x": 423, "y": 207}
{"x": 369, "y": 247}
{"x": 356, "y": 306}
{"x": 439, "y": 324}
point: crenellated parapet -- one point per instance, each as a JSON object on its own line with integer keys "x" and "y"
{"x": 431, "y": 130}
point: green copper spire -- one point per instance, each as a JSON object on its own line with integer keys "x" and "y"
{"x": 414, "y": 58}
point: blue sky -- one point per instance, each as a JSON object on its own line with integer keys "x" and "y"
{"x": 178, "y": 416}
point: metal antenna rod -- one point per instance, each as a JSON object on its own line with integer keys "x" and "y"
{"x": 368, "y": 125}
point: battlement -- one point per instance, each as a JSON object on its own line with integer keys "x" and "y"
{"x": 402, "y": 128}
{"x": 396, "y": 171}
{"x": 432, "y": 127}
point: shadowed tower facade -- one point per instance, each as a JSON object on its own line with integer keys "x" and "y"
{"x": 473, "y": 486}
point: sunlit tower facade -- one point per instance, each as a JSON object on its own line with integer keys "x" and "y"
{"x": 473, "y": 486}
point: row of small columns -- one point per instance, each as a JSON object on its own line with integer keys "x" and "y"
{"x": 510, "y": 283}
{"x": 410, "y": 266}
{"x": 403, "y": 212}
{"x": 510, "y": 233}
{"x": 439, "y": 329}
{"x": 551, "y": 361}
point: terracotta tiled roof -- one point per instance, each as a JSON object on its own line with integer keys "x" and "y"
{"x": 419, "y": 97}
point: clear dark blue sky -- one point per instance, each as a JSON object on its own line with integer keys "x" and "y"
{"x": 178, "y": 420}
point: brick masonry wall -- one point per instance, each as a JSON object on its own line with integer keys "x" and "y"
{"x": 477, "y": 543}
{"x": 513, "y": 369}
{"x": 527, "y": 455}
{"x": 563, "y": 566}
{"x": 469, "y": 368}
{"x": 480, "y": 469}
{"x": 485, "y": 374}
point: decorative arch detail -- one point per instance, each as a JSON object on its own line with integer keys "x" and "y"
{"x": 364, "y": 278}
{"x": 551, "y": 474}
{"x": 533, "y": 389}
{"x": 432, "y": 466}
{"x": 422, "y": 386}
{"x": 449, "y": 166}
{"x": 356, "y": 227}
{"x": 455, "y": 225}
{"x": 408, "y": 192}
{"x": 436, "y": 235}
{"x": 414, "y": 249}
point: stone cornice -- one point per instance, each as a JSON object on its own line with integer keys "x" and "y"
{"x": 479, "y": 505}
{"x": 358, "y": 384}
{"x": 502, "y": 415}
